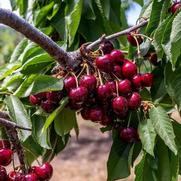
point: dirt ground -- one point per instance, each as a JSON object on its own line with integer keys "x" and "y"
{"x": 84, "y": 159}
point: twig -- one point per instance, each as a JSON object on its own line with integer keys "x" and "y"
{"x": 116, "y": 35}
{"x": 65, "y": 59}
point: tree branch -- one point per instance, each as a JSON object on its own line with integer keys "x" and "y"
{"x": 116, "y": 35}
{"x": 64, "y": 58}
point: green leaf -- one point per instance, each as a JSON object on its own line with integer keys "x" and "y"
{"x": 173, "y": 84}
{"x": 118, "y": 165}
{"x": 88, "y": 10}
{"x": 65, "y": 121}
{"x": 19, "y": 115}
{"x": 23, "y": 6}
{"x": 36, "y": 64}
{"x": 163, "y": 126}
{"x": 18, "y": 50}
{"x": 38, "y": 83}
{"x": 147, "y": 135}
{"x": 8, "y": 69}
{"x": 72, "y": 19}
{"x": 140, "y": 2}
{"x": 55, "y": 113}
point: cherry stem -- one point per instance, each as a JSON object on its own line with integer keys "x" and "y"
{"x": 77, "y": 84}
{"x": 142, "y": 35}
{"x": 117, "y": 90}
{"x": 87, "y": 69}
{"x": 100, "y": 77}
{"x": 129, "y": 120}
{"x": 138, "y": 46}
{"x": 116, "y": 77}
{"x": 81, "y": 70}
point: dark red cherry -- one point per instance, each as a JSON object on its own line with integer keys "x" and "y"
{"x": 112, "y": 85}
{"x": 147, "y": 79}
{"x": 104, "y": 63}
{"x": 5, "y": 156}
{"x": 54, "y": 96}
{"x": 129, "y": 69}
{"x": 132, "y": 40}
{"x": 47, "y": 106}
{"x": 104, "y": 92}
{"x": 124, "y": 86}
{"x": 96, "y": 114}
{"x": 117, "y": 56}
{"x": 3, "y": 174}
{"x": 137, "y": 81}
{"x": 85, "y": 113}
{"x": 153, "y": 58}
{"x": 120, "y": 105}
{"x": 69, "y": 83}
{"x": 78, "y": 95}
{"x": 134, "y": 101}
{"x": 106, "y": 120}
{"x": 15, "y": 176}
{"x": 43, "y": 172}
{"x": 89, "y": 82}
{"x": 34, "y": 100}
{"x": 31, "y": 177}
{"x": 117, "y": 70}
{"x": 129, "y": 134}
{"x": 5, "y": 144}
{"x": 175, "y": 7}
{"x": 106, "y": 47}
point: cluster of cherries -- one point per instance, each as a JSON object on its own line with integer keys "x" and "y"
{"x": 105, "y": 93}
{"x": 36, "y": 173}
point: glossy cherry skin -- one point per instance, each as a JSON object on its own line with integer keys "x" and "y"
{"x": 43, "y": 172}
{"x": 175, "y": 7}
{"x": 5, "y": 144}
{"x": 5, "y": 156}
{"x": 147, "y": 79}
{"x": 134, "y": 101}
{"x": 117, "y": 71}
{"x": 129, "y": 134}
{"x": 117, "y": 56}
{"x": 31, "y": 177}
{"x": 124, "y": 86}
{"x": 54, "y": 96}
{"x": 15, "y": 176}
{"x": 69, "y": 83}
{"x": 137, "y": 81}
{"x": 129, "y": 69}
{"x": 120, "y": 105}
{"x": 96, "y": 114}
{"x": 132, "y": 40}
{"x": 106, "y": 47}
{"x": 89, "y": 82}
{"x": 104, "y": 92}
{"x": 78, "y": 95}
{"x": 104, "y": 63}
{"x": 3, "y": 174}
{"x": 47, "y": 106}
{"x": 112, "y": 85}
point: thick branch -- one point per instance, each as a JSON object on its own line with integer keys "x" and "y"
{"x": 116, "y": 35}
{"x": 64, "y": 59}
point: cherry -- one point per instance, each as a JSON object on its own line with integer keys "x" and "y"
{"x": 15, "y": 176}
{"x": 104, "y": 92}
{"x": 78, "y": 95}
{"x": 124, "y": 86}
{"x": 43, "y": 172}
{"x": 147, "y": 79}
{"x": 5, "y": 144}
{"x": 106, "y": 120}
{"x": 175, "y": 7}
{"x": 104, "y": 63}
{"x": 47, "y": 106}
{"x": 117, "y": 70}
{"x": 129, "y": 134}
{"x": 96, "y": 114}
{"x": 54, "y": 96}
{"x": 153, "y": 58}
{"x": 117, "y": 56}
{"x": 34, "y": 100}
{"x": 31, "y": 177}
{"x": 129, "y": 69}
{"x": 85, "y": 113}
{"x": 120, "y": 105}
{"x": 132, "y": 40}
{"x": 3, "y": 174}
{"x": 106, "y": 47}
{"x": 69, "y": 83}
{"x": 5, "y": 156}
{"x": 89, "y": 82}
{"x": 112, "y": 85}
{"x": 137, "y": 81}
{"x": 134, "y": 101}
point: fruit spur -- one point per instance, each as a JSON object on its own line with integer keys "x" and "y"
{"x": 106, "y": 90}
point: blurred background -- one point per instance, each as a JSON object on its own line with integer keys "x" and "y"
{"x": 83, "y": 159}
